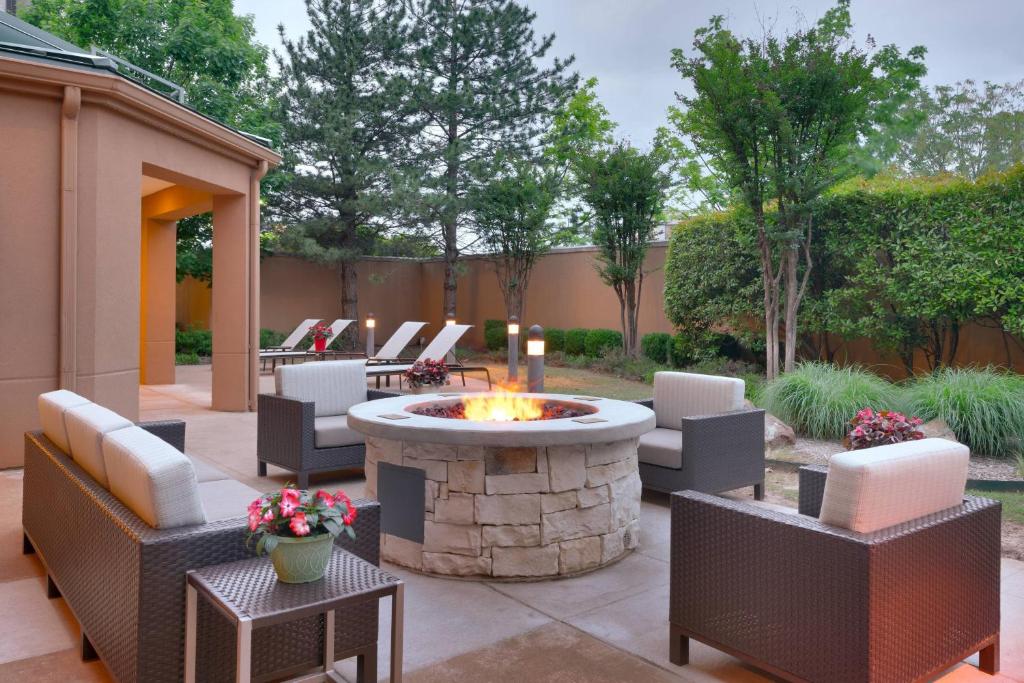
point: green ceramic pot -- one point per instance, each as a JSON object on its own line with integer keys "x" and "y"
{"x": 301, "y": 560}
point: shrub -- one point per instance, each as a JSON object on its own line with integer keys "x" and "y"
{"x": 186, "y": 359}
{"x": 819, "y": 399}
{"x": 983, "y": 406}
{"x": 192, "y": 340}
{"x": 600, "y": 340}
{"x": 751, "y": 374}
{"x": 554, "y": 339}
{"x": 270, "y": 338}
{"x": 655, "y": 346}
{"x": 575, "y": 341}
{"x": 871, "y": 428}
{"x": 495, "y": 335}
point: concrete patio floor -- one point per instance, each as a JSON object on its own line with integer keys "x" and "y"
{"x": 607, "y": 626}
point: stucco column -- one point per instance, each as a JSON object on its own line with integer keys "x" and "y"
{"x": 229, "y": 315}
{"x": 68, "y": 326}
{"x": 159, "y": 240}
{"x": 254, "y": 280}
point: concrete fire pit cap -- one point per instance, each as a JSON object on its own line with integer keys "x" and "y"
{"x": 391, "y": 418}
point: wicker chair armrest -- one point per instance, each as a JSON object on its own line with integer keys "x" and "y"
{"x": 171, "y": 431}
{"x": 377, "y": 394}
{"x": 723, "y": 448}
{"x": 284, "y": 429}
{"x": 811, "y": 488}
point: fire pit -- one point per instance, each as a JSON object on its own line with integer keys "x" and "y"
{"x": 504, "y": 485}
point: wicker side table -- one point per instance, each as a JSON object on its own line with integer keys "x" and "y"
{"x": 248, "y": 593}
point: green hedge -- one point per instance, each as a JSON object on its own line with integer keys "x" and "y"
{"x": 194, "y": 341}
{"x": 576, "y": 341}
{"x": 495, "y": 335}
{"x": 892, "y": 258}
{"x": 600, "y": 340}
{"x": 554, "y": 339}
{"x": 655, "y": 346}
{"x": 270, "y": 338}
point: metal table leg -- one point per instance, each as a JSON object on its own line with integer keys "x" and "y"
{"x": 397, "y": 626}
{"x": 243, "y": 652}
{"x": 191, "y": 600}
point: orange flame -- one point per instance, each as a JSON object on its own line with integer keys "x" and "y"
{"x": 504, "y": 405}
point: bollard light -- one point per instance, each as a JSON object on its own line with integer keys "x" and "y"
{"x": 449, "y": 319}
{"x": 371, "y": 325}
{"x": 535, "y": 359}
{"x": 513, "y": 350}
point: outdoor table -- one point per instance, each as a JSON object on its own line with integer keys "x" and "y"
{"x": 249, "y": 594}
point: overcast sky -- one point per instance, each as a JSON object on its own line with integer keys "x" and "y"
{"x": 626, "y": 43}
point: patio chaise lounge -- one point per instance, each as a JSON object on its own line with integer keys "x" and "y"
{"x": 118, "y": 516}
{"x": 897, "y": 580}
{"x": 303, "y": 426}
{"x": 705, "y": 440}
{"x": 293, "y": 339}
{"x": 337, "y": 327}
{"x": 390, "y": 351}
{"x": 437, "y": 349}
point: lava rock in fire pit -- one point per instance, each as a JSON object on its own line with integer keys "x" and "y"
{"x": 457, "y": 411}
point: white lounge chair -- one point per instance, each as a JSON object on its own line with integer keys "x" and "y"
{"x": 437, "y": 349}
{"x": 293, "y": 339}
{"x": 396, "y": 343}
{"x": 337, "y": 327}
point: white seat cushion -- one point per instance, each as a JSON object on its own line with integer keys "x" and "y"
{"x": 52, "y": 405}
{"x": 204, "y": 471}
{"x": 152, "y": 478}
{"x": 333, "y": 430}
{"x": 226, "y": 499}
{"x": 334, "y": 386}
{"x": 875, "y": 488}
{"x": 683, "y": 394}
{"x": 662, "y": 447}
{"x": 86, "y": 427}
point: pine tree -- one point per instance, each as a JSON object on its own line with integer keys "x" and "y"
{"x": 344, "y": 123}
{"x": 483, "y": 97}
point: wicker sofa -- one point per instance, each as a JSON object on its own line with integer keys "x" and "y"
{"x": 705, "y": 440}
{"x": 841, "y": 598}
{"x": 124, "y": 580}
{"x": 303, "y": 427}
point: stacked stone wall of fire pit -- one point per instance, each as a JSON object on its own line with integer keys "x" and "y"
{"x": 516, "y": 512}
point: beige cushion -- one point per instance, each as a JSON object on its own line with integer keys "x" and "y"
{"x": 152, "y": 478}
{"x": 333, "y": 430}
{"x": 204, "y": 471}
{"x": 683, "y": 394}
{"x": 334, "y": 386}
{"x": 875, "y": 488}
{"x": 52, "y": 405}
{"x": 226, "y": 499}
{"x": 86, "y": 425}
{"x": 662, "y": 447}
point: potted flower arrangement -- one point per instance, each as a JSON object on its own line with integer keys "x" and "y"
{"x": 878, "y": 428}
{"x": 297, "y": 528}
{"x": 321, "y": 333}
{"x": 427, "y": 373}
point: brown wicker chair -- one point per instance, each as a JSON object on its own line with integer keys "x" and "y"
{"x": 124, "y": 580}
{"x": 810, "y": 602}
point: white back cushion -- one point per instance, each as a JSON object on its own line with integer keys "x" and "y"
{"x": 875, "y": 488}
{"x": 86, "y": 426}
{"x": 152, "y": 478}
{"x": 334, "y": 386}
{"x": 683, "y": 394}
{"x": 52, "y": 405}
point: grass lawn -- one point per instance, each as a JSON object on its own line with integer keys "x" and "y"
{"x": 1013, "y": 503}
{"x": 576, "y": 381}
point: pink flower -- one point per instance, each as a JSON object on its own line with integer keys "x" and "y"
{"x": 256, "y": 505}
{"x": 326, "y": 498}
{"x": 290, "y": 494}
{"x": 268, "y": 516}
{"x": 298, "y": 524}
{"x": 288, "y": 507}
{"x": 254, "y": 520}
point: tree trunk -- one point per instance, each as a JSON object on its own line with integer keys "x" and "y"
{"x": 349, "y": 305}
{"x": 451, "y": 256}
{"x": 771, "y": 301}
{"x": 792, "y": 306}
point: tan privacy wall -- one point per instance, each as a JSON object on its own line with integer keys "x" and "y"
{"x": 564, "y": 292}
{"x": 94, "y": 173}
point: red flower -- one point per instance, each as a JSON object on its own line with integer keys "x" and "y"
{"x": 288, "y": 507}
{"x": 298, "y": 524}
{"x": 325, "y": 498}
{"x": 254, "y": 520}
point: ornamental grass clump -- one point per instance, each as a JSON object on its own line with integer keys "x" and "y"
{"x": 817, "y": 399}
{"x": 983, "y": 406}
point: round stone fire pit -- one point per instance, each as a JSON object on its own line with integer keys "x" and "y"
{"x": 555, "y": 492}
